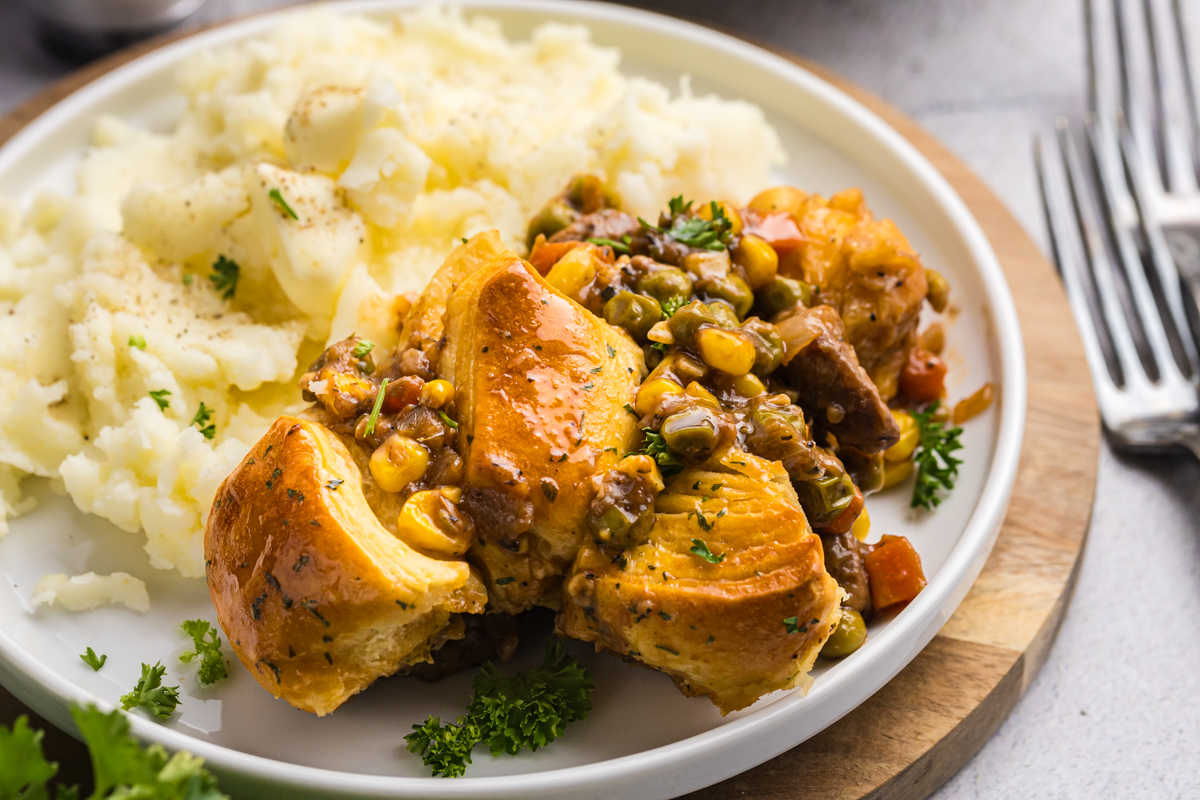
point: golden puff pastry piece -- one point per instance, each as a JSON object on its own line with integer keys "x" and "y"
{"x": 542, "y": 388}
{"x": 735, "y": 630}
{"x": 315, "y": 596}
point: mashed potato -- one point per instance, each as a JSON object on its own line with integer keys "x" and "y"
{"x": 155, "y": 322}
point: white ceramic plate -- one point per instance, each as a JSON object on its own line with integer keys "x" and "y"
{"x": 643, "y": 739}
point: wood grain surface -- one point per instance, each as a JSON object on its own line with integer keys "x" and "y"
{"x": 917, "y": 731}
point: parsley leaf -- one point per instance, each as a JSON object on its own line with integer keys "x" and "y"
{"x": 277, "y": 196}
{"x": 150, "y": 694}
{"x": 700, "y": 548}
{"x": 697, "y": 232}
{"x": 936, "y": 467}
{"x": 620, "y": 247}
{"x": 201, "y": 420}
{"x": 446, "y": 419}
{"x": 160, "y": 396}
{"x": 208, "y": 650}
{"x": 138, "y": 341}
{"x": 92, "y": 660}
{"x": 527, "y": 711}
{"x": 363, "y": 347}
{"x": 24, "y": 770}
{"x": 792, "y": 625}
{"x": 225, "y": 276}
{"x": 672, "y": 304}
{"x": 656, "y": 448}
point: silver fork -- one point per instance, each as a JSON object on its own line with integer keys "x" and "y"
{"x": 1105, "y": 212}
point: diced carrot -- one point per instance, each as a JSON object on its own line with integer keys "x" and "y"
{"x": 779, "y": 230}
{"x": 894, "y": 572}
{"x": 845, "y": 520}
{"x": 923, "y": 377}
{"x": 545, "y": 255}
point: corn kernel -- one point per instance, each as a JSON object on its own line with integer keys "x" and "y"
{"x": 939, "y": 290}
{"x": 732, "y": 352}
{"x": 748, "y": 385}
{"x": 902, "y": 450}
{"x": 895, "y": 472}
{"x": 436, "y": 394}
{"x": 758, "y": 259}
{"x": 862, "y": 526}
{"x": 398, "y": 462}
{"x": 780, "y": 199}
{"x": 650, "y": 393}
{"x": 573, "y": 272}
{"x": 702, "y": 395}
{"x": 735, "y": 219}
{"x": 427, "y": 522}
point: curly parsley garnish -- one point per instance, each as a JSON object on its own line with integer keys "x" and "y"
{"x": 703, "y": 234}
{"x": 700, "y": 547}
{"x": 936, "y": 467}
{"x": 527, "y": 711}
{"x": 160, "y": 396}
{"x": 92, "y": 660}
{"x": 121, "y": 767}
{"x": 201, "y": 420}
{"x": 208, "y": 650}
{"x": 277, "y": 196}
{"x": 225, "y": 276}
{"x": 656, "y": 448}
{"x": 150, "y": 694}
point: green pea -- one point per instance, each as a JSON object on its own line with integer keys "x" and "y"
{"x": 782, "y": 294}
{"x": 691, "y": 433}
{"x": 824, "y": 499}
{"x": 666, "y": 284}
{"x": 847, "y": 637}
{"x": 732, "y": 290}
{"x": 725, "y": 315}
{"x": 555, "y": 216}
{"x": 688, "y": 320}
{"x": 633, "y": 312}
{"x": 768, "y": 346}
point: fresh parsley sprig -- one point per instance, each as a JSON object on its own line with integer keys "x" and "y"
{"x": 150, "y": 694}
{"x": 656, "y": 448}
{"x": 208, "y": 650}
{"x": 121, "y": 767}
{"x": 92, "y": 660}
{"x": 277, "y": 196}
{"x": 697, "y": 232}
{"x": 524, "y": 712}
{"x": 936, "y": 468}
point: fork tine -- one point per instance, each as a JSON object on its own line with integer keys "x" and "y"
{"x": 1158, "y": 250}
{"x": 1166, "y": 344}
{"x": 1137, "y": 89}
{"x": 1171, "y": 116}
{"x": 1067, "y": 249}
{"x": 1097, "y": 260}
{"x": 1189, "y": 85}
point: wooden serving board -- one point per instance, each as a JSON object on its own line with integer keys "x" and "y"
{"x": 919, "y": 729}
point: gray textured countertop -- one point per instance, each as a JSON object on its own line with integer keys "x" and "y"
{"x": 1116, "y": 710}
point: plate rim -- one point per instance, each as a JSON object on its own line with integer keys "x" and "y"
{"x": 919, "y": 619}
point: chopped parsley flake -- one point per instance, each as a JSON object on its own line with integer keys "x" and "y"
{"x": 160, "y": 396}
{"x": 363, "y": 347}
{"x": 620, "y": 247}
{"x": 92, "y": 660}
{"x": 656, "y": 448}
{"x": 207, "y": 648}
{"x": 225, "y": 276}
{"x": 791, "y": 625}
{"x": 277, "y": 196}
{"x": 446, "y": 419}
{"x": 138, "y": 341}
{"x": 378, "y": 405}
{"x": 700, "y": 548}
{"x": 201, "y": 420}
{"x": 151, "y": 695}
